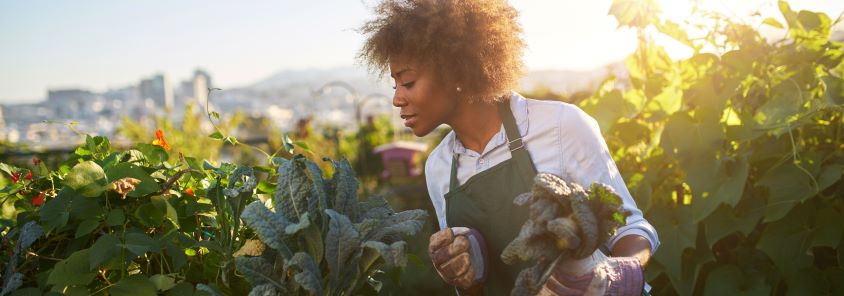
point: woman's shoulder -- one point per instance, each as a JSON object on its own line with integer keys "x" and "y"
{"x": 558, "y": 114}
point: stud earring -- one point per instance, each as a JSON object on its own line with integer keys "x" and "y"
{"x": 459, "y": 89}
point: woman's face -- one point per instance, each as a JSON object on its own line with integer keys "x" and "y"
{"x": 423, "y": 101}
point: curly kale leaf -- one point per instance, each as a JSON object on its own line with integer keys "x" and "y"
{"x": 294, "y": 189}
{"x": 345, "y": 188}
{"x": 397, "y": 225}
{"x": 258, "y": 271}
{"x": 269, "y": 226}
{"x": 307, "y": 272}
{"x": 342, "y": 242}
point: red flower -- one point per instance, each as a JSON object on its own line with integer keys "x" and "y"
{"x": 29, "y": 175}
{"x": 189, "y": 191}
{"x": 38, "y": 200}
{"x": 16, "y": 176}
{"x": 159, "y": 140}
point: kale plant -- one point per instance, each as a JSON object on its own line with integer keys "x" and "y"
{"x": 321, "y": 239}
{"x": 566, "y": 222}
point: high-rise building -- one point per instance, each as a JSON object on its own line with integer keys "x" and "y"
{"x": 68, "y": 103}
{"x": 200, "y": 72}
{"x": 158, "y": 89}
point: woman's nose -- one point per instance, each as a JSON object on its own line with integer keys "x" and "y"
{"x": 398, "y": 99}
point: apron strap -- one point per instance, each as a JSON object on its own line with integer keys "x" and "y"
{"x": 517, "y": 148}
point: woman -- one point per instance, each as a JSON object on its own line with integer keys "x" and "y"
{"x": 455, "y": 63}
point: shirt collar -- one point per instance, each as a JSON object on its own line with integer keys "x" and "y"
{"x": 518, "y": 104}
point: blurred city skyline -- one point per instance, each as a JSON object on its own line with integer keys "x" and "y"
{"x": 99, "y": 45}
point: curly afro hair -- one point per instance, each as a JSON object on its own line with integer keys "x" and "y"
{"x": 475, "y": 44}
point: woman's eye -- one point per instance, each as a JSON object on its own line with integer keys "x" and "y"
{"x": 406, "y": 85}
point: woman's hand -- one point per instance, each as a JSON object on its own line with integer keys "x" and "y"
{"x": 459, "y": 255}
{"x": 596, "y": 275}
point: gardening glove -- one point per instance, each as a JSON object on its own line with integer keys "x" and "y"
{"x": 459, "y": 255}
{"x": 596, "y": 275}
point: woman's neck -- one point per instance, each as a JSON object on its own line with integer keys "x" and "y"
{"x": 475, "y": 124}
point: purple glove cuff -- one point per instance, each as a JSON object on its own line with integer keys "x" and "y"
{"x": 478, "y": 246}
{"x": 625, "y": 276}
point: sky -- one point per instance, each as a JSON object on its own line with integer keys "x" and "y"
{"x": 101, "y": 44}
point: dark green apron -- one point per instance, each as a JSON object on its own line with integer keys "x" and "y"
{"x": 485, "y": 203}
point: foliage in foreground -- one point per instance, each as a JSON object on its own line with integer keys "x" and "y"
{"x": 132, "y": 223}
{"x": 734, "y": 154}
{"x": 322, "y": 239}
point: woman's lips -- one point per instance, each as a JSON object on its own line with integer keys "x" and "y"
{"x": 409, "y": 119}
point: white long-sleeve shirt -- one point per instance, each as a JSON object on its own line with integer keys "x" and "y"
{"x": 560, "y": 138}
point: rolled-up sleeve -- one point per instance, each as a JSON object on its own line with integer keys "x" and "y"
{"x": 588, "y": 160}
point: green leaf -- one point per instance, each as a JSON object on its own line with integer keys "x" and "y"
{"x": 8, "y": 169}
{"x": 677, "y": 232}
{"x": 86, "y": 227}
{"x": 674, "y": 30}
{"x": 731, "y": 280}
{"x": 268, "y": 290}
{"x": 12, "y": 283}
{"x": 268, "y": 225}
{"x": 136, "y": 285}
{"x": 609, "y": 108}
{"x": 140, "y": 243}
{"x": 308, "y": 274}
{"x": 115, "y": 217}
{"x": 87, "y": 178}
{"x": 394, "y": 227}
{"x": 689, "y": 138}
{"x": 726, "y": 220}
{"x": 55, "y": 212}
{"x": 341, "y": 242}
{"x": 154, "y": 154}
{"x": 773, "y": 23}
{"x": 150, "y": 215}
{"x": 308, "y": 231}
{"x": 786, "y": 102}
{"x": 715, "y": 182}
{"x": 106, "y": 247}
{"x": 788, "y": 241}
{"x": 345, "y": 187}
{"x": 30, "y": 232}
{"x": 257, "y": 270}
{"x": 215, "y": 115}
{"x": 815, "y": 21}
{"x": 635, "y": 13}
{"x": 303, "y": 145}
{"x": 177, "y": 255}
{"x": 128, "y": 170}
{"x": 26, "y": 292}
{"x": 393, "y": 254}
{"x": 790, "y": 184}
{"x": 72, "y": 271}
{"x": 183, "y": 288}
{"x": 294, "y": 190}
{"x": 162, "y": 282}
{"x": 216, "y": 135}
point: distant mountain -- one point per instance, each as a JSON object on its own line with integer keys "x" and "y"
{"x": 315, "y": 78}
{"x": 561, "y": 81}
{"x": 568, "y": 81}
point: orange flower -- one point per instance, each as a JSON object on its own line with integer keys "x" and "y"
{"x": 189, "y": 191}
{"x": 159, "y": 140}
{"x": 38, "y": 200}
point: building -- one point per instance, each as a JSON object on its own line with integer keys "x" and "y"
{"x": 157, "y": 89}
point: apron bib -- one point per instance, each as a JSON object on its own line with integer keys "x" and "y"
{"x": 485, "y": 203}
